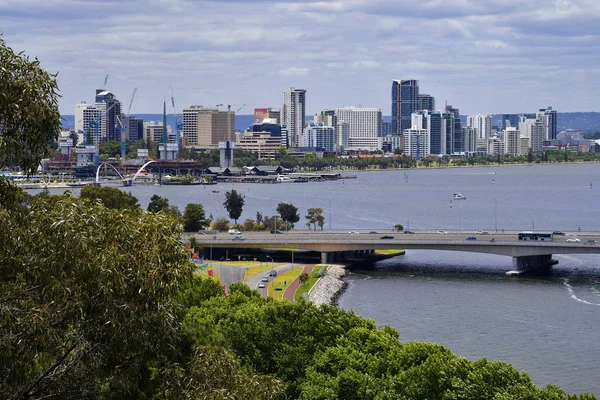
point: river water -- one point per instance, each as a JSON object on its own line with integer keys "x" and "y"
{"x": 547, "y": 326}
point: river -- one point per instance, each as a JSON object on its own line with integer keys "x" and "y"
{"x": 549, "y": 327}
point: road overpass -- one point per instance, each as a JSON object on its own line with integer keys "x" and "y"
{"x": 336, "y": 246}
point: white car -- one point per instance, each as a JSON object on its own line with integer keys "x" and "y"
{"x": 483, "y": 233}
{"x": 573, "y": 240}
{"x": 353, "y": 233}
{"x": 261, "y": 285}
{"x": 234, "y": 232}
{"x": 442, "y": 232}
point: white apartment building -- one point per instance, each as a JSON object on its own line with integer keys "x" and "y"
{"x": 342, "y": 136}
{"x": 495, "y": 145}
{"x": 470, "y": 137}
{"x": 294, "y": 114}
{"x": 512, "y": 141}
{"x": 482, "y": 123}
{"x": 364, "y": 127}
{"x": 153, "y": 131}
{"x": 320, "y": 136}
{"x": 416, "y": 142}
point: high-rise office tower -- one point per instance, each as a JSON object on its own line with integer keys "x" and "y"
{"x": 459, "y": 143}
{"x": 405, "y": 101}
{"x": 437, "y": 133}
{"x": 135, "y": 129}
{"x": 105, "y": 100}
{"x": 327, "y": 117}
{"x": 482, "y": 124}
{"x": 426, "y": 102}
{"x": 512, "y": 141}
{"x": 548, "y": 117}
{"x": 448, "y": 132}
{"x": 319, "y": 135}
{"x": 294, "y": 114}
{"x": 203, "y": 126}
{"x": 508, "y": 121}
{"x": 470, "y": 136}
{"x": 416, "y": 142}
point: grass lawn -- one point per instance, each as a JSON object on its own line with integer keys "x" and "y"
{"x": 312, "y": 279}
{"x": 257, "y": 269}
{"x": 390, "y": 252}
{"x": 288, "y": 277}
{"x": 204, "y": 273}
{"x": 242, "y": 263}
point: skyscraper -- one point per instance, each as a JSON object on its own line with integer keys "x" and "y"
{"x": 548, "y": 117}
{"x": 204, "y": 126}
{"x": 294, "y": 114}
{"x": 459, "y": 142}
{"x": 482, "y": 124}
{"x": 364, "y": 127}
{"x": 426, "y": 102}
{"x": 405, "y": 101}
{"x": 111, "y": 108}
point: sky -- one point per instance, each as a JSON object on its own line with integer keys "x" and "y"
{"x": 482, "y": 56}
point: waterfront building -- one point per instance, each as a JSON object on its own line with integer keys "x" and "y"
{"x": 458, "y": 140}
{"x": 364, "y": 127}
{"x": 495, "y": 145}
{"x": 405, "y": 101}
{"x": 470, "y": 136}
{"x": 437, "y": 133}
{"x": 320, "y": 136}
{"x": 549, "y": 118}
{"x": 204, "y": 126}
{"x": 511, "y": 138}
{"x": 342, "y": 136}
{"x": 135, "y": 129}
{"x": 294, "y": 114}
{"x": 110, "y": 127}
{"x": 416, "y": 142}
{"x": 448, "y": 132}
{"x": 426, "y": 102}
{"x": 263, "y": 144}
{"x": 482, "y": 123}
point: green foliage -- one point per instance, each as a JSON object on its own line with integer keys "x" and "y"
{"x": 29, "y": 116}
{"x": 234, "y": 203}
{"x": 314, "y": 217}
{"x": 398, "y": 227}
{"x": 303, "y": 277}
{"x": 220, "y": 224}
{"x": 321, "y": 273}
{"x": 158, "y": 203}
{"x": 87, "y": 296}
{"x": 194, "y": 218}
{"x": 200, "y": 289}
{"x": 111, "y": 148}
{"x": 110, "y": 197}
{"x": 288, "y": 213}
{"x": 249, "y": 225}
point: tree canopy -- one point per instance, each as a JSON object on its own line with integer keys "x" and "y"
{"x": 110, "y": 197}
{"x": 194, "y": 218}
{"x": 29, "y": 116}
{"x": 315, "y": 216}
{"x": 234, "y": 204}
{"x": 288, "y": 213}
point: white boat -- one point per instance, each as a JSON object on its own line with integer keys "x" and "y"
{"x": 284, "y": 179}
{"x": 459, "y": 196}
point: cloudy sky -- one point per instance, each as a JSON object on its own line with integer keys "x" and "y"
{"x": 482, "y": 56}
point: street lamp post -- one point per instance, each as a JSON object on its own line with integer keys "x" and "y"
{"x": 272, "y": 263}
{"x": 495, "y": 215}
{"x": 329, "y": 201}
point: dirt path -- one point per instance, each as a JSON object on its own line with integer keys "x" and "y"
{"x": 291, "y": 289}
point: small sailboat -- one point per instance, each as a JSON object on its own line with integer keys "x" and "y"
{"x": 459, "y": 196}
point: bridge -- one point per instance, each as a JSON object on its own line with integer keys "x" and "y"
{"x": 337, "y": 246}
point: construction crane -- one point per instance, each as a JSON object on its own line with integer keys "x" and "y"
{"x": 178, "y": 123}
{"x": 105, "y": 81}
{"x": 125, "y": 129}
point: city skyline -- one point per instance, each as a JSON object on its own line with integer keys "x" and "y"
{"x": 501, "y": 57}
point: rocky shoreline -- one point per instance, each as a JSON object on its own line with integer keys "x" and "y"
{"x": 329, "y": 287}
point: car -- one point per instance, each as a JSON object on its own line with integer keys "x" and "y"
{"x": 234, "y": 232}
{"x": 573, "y": 240}
{"x": 261, "y": 285}
{"x": 353, "y": 233}
{"x": 482, "y": 232}
{"x": 386, "y": 237}
{"x": 409, "y": 232}
{"x": 273, "y": 273}
{"x": 558, "y": 233}
{"x": 471, "y": 238}
{"x": 373, "y": 232}
{"x": 442, "y": 232}
{"x": 590, "y": 242}
{"x": 265, "y": 279}
{"x": 237, "y": 238}
{"x": 276, "y": 231}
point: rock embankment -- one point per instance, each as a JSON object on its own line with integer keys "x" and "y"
{"x": 329, "y": 287}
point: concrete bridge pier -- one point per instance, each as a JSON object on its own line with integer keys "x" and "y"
{"x": 529, "y": 263}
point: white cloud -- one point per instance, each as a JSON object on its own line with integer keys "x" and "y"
{"x": 340, "y": 51}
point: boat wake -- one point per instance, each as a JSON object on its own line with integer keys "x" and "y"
{"x": 574, "y": 296}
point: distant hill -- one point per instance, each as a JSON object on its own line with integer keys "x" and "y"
{"x": 583, "y": 121}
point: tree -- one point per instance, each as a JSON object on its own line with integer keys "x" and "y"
{"x": 398, "y": 227}
{"x": 110, "y": 197}
{"x": 303, "y": 278}
{"x": 29, "y": 116}
{"x": 234, "y": 203}
{"x": 158, "y": 203}
{"x": 111, "y": 148}
{"x": 89, "y": 310}
{"x": 221, "y": 224}
{"x": 74, "y": 137}
{"x": 314, "y": 217}
{"x": 194, "y": 218}
{"x": 259, "y": 218}
{"x": 288, "y": 213}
